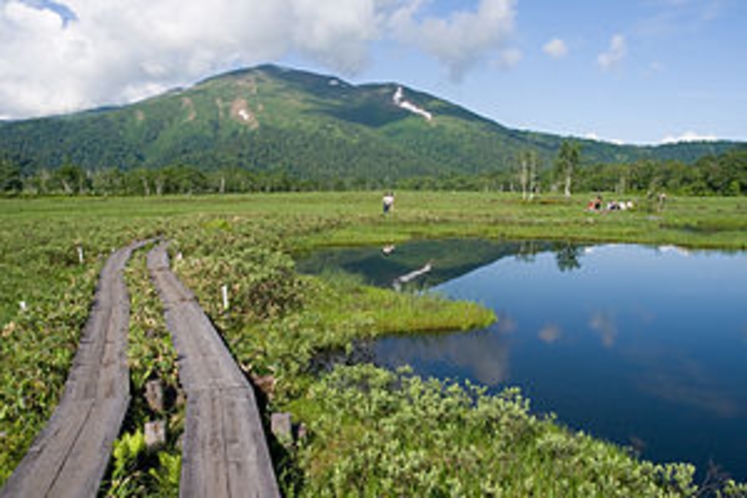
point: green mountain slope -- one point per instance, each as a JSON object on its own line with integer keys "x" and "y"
{"x": 307, "y": 125}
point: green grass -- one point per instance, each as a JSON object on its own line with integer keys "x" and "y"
{"x": 136, "y": 470}
{"x": 279, "y": 320}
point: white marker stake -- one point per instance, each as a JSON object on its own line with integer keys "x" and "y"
{"x": 23, "y": 306}
{"x": 224, "y": 292}
{"x": 80, "y": 254}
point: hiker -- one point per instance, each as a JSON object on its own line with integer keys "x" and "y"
{"x": 595, "y": 204}
{"x": 388, "y": 202}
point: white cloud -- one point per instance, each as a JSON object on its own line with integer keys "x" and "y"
{"x": 671, "y": 17}
{"x": 556, "y": 48}
{"x": 74, "y": 54}
{"x": 508, "y": 58}
{"x": 593, "y": 136}
{"x": 616, "y": 52}
{"x": 688, "y": 136}
{"x": 464, "y": 38}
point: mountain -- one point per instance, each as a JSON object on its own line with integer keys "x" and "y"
{"x": 307, "y": 125}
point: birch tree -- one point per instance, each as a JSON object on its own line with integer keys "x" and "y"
{"x": 566, "y": 163}
{"x": 528, "y": 161}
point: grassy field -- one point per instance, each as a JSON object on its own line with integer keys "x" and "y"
{"x": 370, "y": 432}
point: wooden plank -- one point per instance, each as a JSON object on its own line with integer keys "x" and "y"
{"x": 69, "y": 456}
{"x": 81, "y": 472}
{"x": 38, "y": 471}
{"x": 241, "y": 428}
{"x": 203, "y": 465}
{"x": 225, "y": 451}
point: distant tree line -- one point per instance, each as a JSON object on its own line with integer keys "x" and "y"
{"x": 725, "y": 174}
{"x": 71, "y": 179}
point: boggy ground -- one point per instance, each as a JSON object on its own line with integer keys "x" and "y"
{"x": 368, "y": 431}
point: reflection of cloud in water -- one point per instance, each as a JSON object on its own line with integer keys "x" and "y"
{"x": 675, "y": 249}
{"x": 637, "y": 444}
{"x": 604, "y": 324}
{"x": 697, "y": 393}
{"x": 506, "y": 324}
{"x": 683, "y": 381}
{"x": 485, "y": 354}
{"x": 645, "y": 315}
{"x": 550, "y": 333}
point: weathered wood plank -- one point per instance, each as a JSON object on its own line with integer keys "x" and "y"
{"x": 39, "y": 469}
{"x": 93, "y": 445}
{"x": 238, "y": 422}
{"x": 69, "y": 456}
{"x": 225, "y": 451}
{"x": 203, "y": 465}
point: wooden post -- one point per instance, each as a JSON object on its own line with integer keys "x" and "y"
{"x": 224, "y": 293}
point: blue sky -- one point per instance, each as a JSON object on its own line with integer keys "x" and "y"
{"x": 634, "y": 71}
{"x": 683, "y": 71}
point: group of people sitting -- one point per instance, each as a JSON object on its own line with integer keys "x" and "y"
{"x": 597, "y": 204}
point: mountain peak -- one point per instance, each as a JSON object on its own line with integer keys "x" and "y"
{"x": 277, "y": 118}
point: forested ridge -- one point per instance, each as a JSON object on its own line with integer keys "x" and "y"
{"x": 271, "y": 128}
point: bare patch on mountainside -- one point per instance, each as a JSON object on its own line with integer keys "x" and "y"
{"x": 189, "y": 106}
{"x": 241, "y": 112}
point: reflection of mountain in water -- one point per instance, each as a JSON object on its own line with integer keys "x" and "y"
{"x": 482, "y": 355}
{"x": 448, "y": 258}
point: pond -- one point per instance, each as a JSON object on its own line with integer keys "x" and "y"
{"x": 646, "y": 347}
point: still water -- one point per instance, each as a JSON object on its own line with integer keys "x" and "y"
{"x": 646, "y": 347}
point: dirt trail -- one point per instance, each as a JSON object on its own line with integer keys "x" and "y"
{"x": 225, "y": 452}
{"x": 69, "y": 457}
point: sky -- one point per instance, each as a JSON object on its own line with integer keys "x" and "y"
{"x": 628, "y": 71}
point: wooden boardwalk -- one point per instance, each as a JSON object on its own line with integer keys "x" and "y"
{"x": 225, "y": 452}
{"x": 69, "y": 457}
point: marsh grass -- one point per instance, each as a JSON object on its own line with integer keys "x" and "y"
{"x": 373, "y": 432}
{"x": 404, "y": 436}
{"x": 134, "y": 469}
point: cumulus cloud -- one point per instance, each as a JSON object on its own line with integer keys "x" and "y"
{"x": 462, "y": 39}
{"x": 616, "y": 52}
{"x": 72, "y": 54}
{"x": 508, "y": 58}
{"x": 688, "y": 136}
{"x": 556, "y": 48}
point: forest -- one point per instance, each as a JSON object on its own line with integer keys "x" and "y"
{"x": 724, "y": 174}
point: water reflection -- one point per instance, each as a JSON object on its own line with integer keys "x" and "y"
{"x": 550, "y": 333}
{"x": 444, "y": 259}
{"x": 603, "y": 324}
{"x": 483, "y": 356}
{"x": 426, "y": 264}
{"x": 568, "y": 256}
{"x": 638, "y": 345}
{"x": 674, "y": 377}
